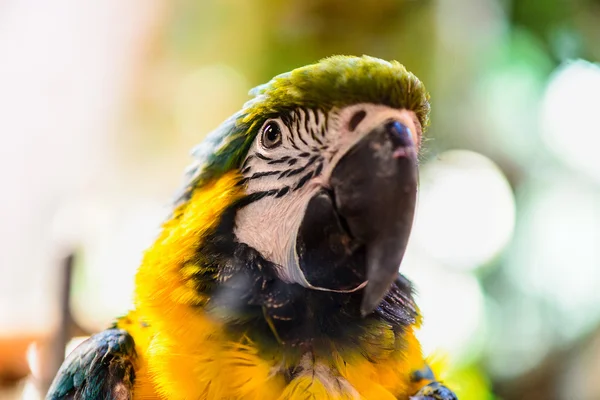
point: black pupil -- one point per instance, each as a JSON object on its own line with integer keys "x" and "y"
{"x": 272, "y": 133}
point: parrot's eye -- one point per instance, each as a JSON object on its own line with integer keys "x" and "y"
{"x": 271, "y": 135}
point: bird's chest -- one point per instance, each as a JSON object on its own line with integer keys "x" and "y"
{"x": 237, "y": 370}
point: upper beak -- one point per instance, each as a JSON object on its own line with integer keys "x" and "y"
{"x": 375, "y": 188}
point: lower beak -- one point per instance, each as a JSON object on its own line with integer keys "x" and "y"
{"x": 375, "y": 189}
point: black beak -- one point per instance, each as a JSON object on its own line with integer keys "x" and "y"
{"x": 375, "y": 189}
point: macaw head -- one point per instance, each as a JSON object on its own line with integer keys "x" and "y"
{"x": 326, "y": 158}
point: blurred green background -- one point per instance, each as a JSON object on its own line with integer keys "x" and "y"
{"x": 101, "y": 102}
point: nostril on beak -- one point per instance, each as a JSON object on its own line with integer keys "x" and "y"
{"x": 399, "y": 133}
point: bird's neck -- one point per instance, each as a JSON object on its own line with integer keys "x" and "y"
{"x": 250, "y": 298}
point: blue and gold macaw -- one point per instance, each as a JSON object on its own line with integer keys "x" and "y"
{"x": 276, "y": 275}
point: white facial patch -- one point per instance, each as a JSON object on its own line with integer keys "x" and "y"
{"x": 285, "y": 177}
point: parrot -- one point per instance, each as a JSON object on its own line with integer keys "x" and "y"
{"x": 276, "y": 273}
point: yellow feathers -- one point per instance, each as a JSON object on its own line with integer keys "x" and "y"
{"x": 184, "y": 354}
{"x": 184, "y": 351}
{"x": 162, "y": 282}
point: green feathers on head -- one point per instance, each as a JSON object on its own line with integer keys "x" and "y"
{"x": 333, "y": 82}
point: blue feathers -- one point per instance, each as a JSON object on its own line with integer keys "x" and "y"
{"x": 102, "y": 367}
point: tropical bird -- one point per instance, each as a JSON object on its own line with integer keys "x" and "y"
{"x": 275, "y": 275}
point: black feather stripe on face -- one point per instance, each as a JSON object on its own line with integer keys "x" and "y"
{"x": 305, "y": 139}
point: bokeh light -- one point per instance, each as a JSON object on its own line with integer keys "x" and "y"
{"x": 557, "y": 254}
{"x": 208, "y": 96}
{"x": 466, "y": 209}
{"x": 569, "y": 116}
{"x": 452, "y": 304}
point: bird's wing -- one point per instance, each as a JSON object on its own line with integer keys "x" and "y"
{"x": 102, "y": 367}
